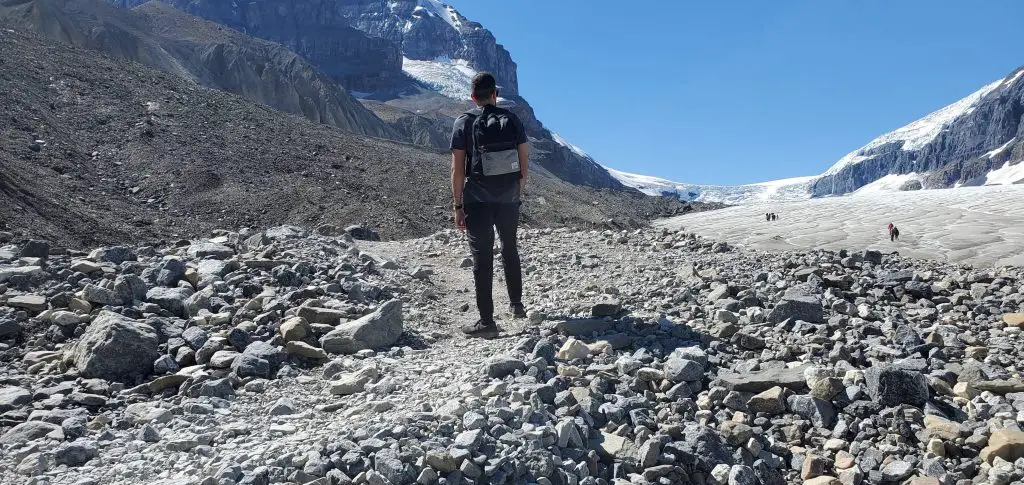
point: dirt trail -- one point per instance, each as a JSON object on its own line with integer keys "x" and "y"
{"x": 456, "y": 303}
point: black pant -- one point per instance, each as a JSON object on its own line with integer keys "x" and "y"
{"x": 481, "y": 219}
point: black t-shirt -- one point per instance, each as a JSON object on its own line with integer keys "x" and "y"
{"x": 479, "y": 189}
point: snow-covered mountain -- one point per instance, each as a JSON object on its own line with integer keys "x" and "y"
{"x": 958, "y": 145}
{"x": 978, "y": 140}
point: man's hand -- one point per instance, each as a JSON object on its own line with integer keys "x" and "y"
{"x": 460, "y": 219}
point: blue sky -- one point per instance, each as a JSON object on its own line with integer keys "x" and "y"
{"x": 731, "y": 92}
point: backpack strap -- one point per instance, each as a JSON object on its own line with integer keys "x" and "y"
{"x": 471, "y": 139}
{"x": 472, "y": 154}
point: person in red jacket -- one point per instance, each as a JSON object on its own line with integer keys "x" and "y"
{"x": 890, "y": 230}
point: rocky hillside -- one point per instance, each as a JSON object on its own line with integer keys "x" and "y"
{"x": 167, "y": 39}
{"x": 424, "y": 30}
{"x": 282, "y": 356}
{"x": 97, "y": 149}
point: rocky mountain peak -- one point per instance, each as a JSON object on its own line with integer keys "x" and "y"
{"x": 429, "y": 29}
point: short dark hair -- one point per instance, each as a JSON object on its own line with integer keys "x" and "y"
{"x": 484, "y": 85}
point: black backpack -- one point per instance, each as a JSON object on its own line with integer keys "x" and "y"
{"x": 494, "y": 156}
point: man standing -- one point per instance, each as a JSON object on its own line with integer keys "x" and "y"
{"x": 489, "y": 168}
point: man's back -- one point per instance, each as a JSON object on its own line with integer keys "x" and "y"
{"x": 479, "y": 187}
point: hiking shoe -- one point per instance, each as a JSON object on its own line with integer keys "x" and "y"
{"x": 482, "y": 328}
{"x": 517, "y": 310}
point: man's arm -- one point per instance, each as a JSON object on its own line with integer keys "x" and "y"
{"x": 458, "y": 175}
{"x": 458, "y": 184}
{"x": 524, "y": 164}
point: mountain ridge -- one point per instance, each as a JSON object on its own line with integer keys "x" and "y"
{"x": 97, "y": 149}
{"x": 977, "y": 140}
{"x": 423, "y": 30}
{"x": 164, "y": 38}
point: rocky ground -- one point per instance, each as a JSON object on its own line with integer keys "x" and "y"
{"x": 648, "y": 356}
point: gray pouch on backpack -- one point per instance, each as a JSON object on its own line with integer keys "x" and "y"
{"x": 501, "y": 162}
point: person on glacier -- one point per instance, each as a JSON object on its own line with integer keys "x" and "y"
{"x": 490, "y": 156}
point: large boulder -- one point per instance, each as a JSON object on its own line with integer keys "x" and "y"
{"x": 210, "y": 250}
{"x": 762, "y": 380}
{"x": 381, "y": 328}
{"x": 1007, "y": 444}
{"x": 32, "y": 303}
{"x": 114, "y": 254}
{"x": 12, "y": 397}
{"x": 259, "y": 359}
{"x": 798, "y": 304}
{"x": 7, "y": 273}
{"x": 31, "y": 430}
{"x": 130, "y": 288}
{"x": 891, "y": 386}
{"x": 169, "y": 272}
{"x": 35, "y": 249}
{"x": 170, "y": 299}
{"x": 115, "y": 348}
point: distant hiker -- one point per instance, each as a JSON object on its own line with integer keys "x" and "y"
{"x": 894, "y": 234}
{"x": 489, "y": 169}
{"x": 890, "y": 229}
{"x": 767, "y": 216}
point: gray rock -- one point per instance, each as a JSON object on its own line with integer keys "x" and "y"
{"x": 742, "y": 475}
{"x": 170, "y": 299}
{"x": 75, "y": 454}
{"x": 354, "y": 382}
{"x": 32, "y": 303}
{"x": 282, "y": 407}
{"x": 390, "y": 466}
{"x": 682, "y": 370}
{"x": 259, "y": 359}
{"x": 31, "y": 430}
{"x": 25, "y": 271}
{"x": 469, "y": 440}
{"x": 12, "y": 397}
{"x": 198, "y": 301}
{"x": 762, "y": 380}
{"x": 584, "y": 327}
{"x": 606, "y": 309}
{"x": 798, "y": 304}
{"x": 499, "y": 366}
{"x": 326, "y": 316}
{"x": 9, "y": 328}
{"x": 114, "y": 254}
{"x": 210, "y": 250}
{"x": 897, "y": 470}
{"x": 195, "y": 337}
{"x": 130, "y": 288}
{"x": 379, "y": 329}
{"x": 145, "y": 413}
{"x": 165, "y": 365}
{"x": 821, "y": 413}
{"x": 35, "y": 249}
{"x": 219, "y": 388}
{"x": 169, "y": 272}
{"x": 115, "y": 348}
{"x": 100, "y": 296}
{"x": 891, "y": 386}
